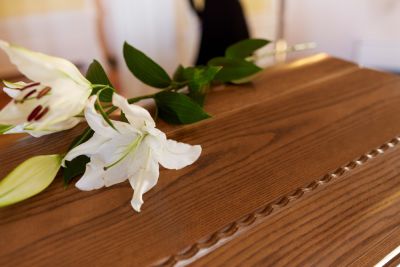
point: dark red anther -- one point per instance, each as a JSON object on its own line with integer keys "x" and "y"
{"x": 41, "y": 114}
{"x": 43, "y": 92}
{"x": 34, "y": 113}
{"x": 29, "y": 86}
{"x": 28, "y": 95}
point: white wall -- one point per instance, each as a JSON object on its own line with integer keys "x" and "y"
{"x": 69, "y": 34}
{"x": 365, "y": 31}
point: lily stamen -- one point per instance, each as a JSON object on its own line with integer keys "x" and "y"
{"x": 41, "y": 114}
{"x": 28, "y": 95}
{"x": 43, "y": 92}
{"x": 34, "y": 113}
{"x": 30, "y": 85}
{"x": 17, "y": 101}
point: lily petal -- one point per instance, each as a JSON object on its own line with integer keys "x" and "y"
{"x": 145, "y": 179}
{"x": 176, "y": 155}
{"x": 93, "y": 177}
{"x": 96, "y": 121}
{"x": 27, "y": 128}
{"x": 40, "y": 67}
{"x": 11, "y": 92}
{"x": 88, "y": 148}
{"x": 57, "y": 127}
{"x": 115, "y": 150}
{"x": 13, "y": 114}
{"x": 135, "y": 114}
{"x": 62, "y": 107}
{"x": 17, "y": 85}
{"x": 118, "y": 174}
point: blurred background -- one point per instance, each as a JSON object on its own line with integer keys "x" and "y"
{"x": 181, "y": 31}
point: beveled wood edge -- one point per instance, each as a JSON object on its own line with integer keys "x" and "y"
{"x": 392, "y": 259}
{"x": 209, "y": 243}
{"x": 394, "y": 262}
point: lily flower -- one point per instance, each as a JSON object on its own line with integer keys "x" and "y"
{"x": 50, "y": 103}
{"x": 132, "y": 151}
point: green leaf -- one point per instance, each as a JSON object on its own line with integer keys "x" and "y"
{"x": 97, "y": 75}
{"x": 75, "y": 168}
{"x": 145, "y": 69}
{"x": 103, "y": 113}
{"x": 29, "y": 178}
{"x": 78, "y": 165}
{"x": 245, "y": 48}
{"x": 105, "y": 94}
{"x": 179, "y": 74}
{"x": 123, "y": 117}
{"x": 5, "y": 128}
{"x": 179, "y": 78}
{"x": 233, "y": 69}
{"x": 200, "y": 80}
{"x": 177, "y": 108}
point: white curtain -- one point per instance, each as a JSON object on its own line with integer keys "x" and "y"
{"x": 69, "y": 33}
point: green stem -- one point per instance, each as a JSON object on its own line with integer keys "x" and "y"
{"x": 289, "y": 49}
{"x": 132, "y": 147}
{"x": 156, "y": 113}
{"x": 111, "y": 110}
{"x": 139, "y": 98}
{"x": 173, "y": 87}
{"x": 100, "y": 86}
{"x": 131, "y": 101}
{"x": 85, "y": 134}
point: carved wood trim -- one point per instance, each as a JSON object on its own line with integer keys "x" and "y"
{"x": 213, "y": 241}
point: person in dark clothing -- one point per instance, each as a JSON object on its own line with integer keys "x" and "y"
{"x": 223, "y": 23}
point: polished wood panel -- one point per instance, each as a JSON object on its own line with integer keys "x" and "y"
{"x": 269, "y": 189}
{"x": 333, "y": 226}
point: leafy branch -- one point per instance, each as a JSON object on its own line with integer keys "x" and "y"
{"x": 181, "y": 97}
{"x": 189, "y": 86}
{"x": 180, "y": 100}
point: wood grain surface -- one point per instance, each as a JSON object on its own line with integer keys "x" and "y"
{"x": 300, "y": 168}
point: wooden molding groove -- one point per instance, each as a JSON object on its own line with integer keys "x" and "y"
{"x": 210, "y": 242}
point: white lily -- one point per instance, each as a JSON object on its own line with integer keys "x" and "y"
{"x": 50, "y": 103}
{"x": 132, "y": 151}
